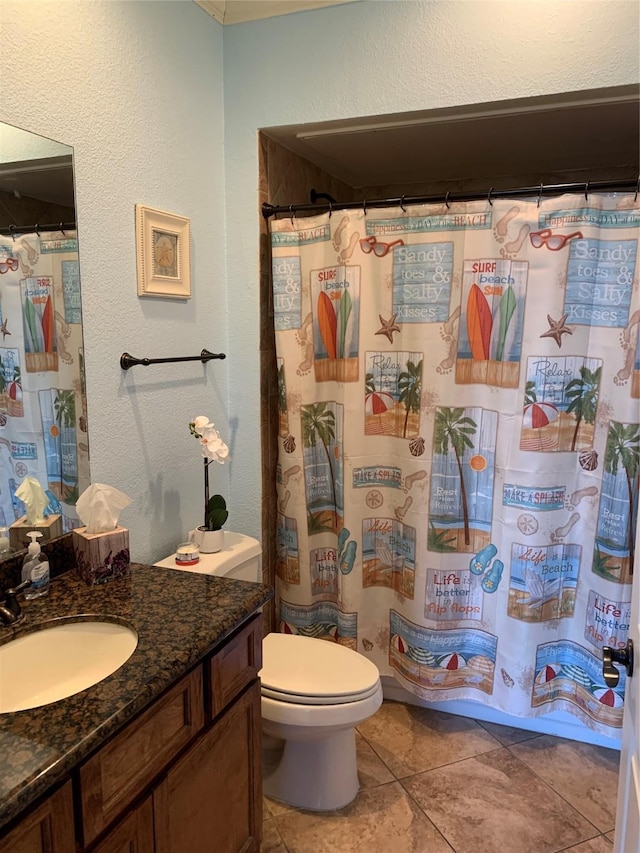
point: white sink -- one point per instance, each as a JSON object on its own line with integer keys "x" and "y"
{"x": 53, "y": 663}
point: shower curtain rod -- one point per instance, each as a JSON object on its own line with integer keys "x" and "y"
{"x": 632, "y": 184}
{"x": 14, "y": 230}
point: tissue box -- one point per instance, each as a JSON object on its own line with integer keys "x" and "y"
{"x": 50, "y": 528}
{"x": 101, "y": 556}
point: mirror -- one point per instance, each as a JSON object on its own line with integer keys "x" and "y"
{"x": 43, "y": 414}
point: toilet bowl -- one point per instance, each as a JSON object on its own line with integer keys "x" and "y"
{"x": 314, "y": 694}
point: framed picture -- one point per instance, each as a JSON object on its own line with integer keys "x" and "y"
{"x": 162, "y": 253}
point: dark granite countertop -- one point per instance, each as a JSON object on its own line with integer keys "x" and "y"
{"x": 179, "y": 618}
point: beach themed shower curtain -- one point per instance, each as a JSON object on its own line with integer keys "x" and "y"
{"x": 43, "y": 421}
{"x": 459, "y": 444}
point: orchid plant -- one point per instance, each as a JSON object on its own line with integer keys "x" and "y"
{"x": 214, "y": 450}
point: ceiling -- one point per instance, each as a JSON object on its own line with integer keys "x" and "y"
{"x": 540, "y": 136}
{"x": 241, "y": 11}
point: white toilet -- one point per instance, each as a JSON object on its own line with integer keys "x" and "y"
{"x": 314, "y": 694}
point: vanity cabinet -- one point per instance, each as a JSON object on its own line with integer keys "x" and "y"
{"x": 210, "y": 800}
{"x": 184, "y": 776}
{"x": 47, "y": 829}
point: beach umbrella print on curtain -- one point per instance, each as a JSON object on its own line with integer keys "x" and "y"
{"x": 577, "y": 674}
{"x": 547, "y": 673}
{"x": 538, "y": 415}
{"x": 452, "y": 661}
{"x": 378, "y": 402}
{"x": 608, "y": 697}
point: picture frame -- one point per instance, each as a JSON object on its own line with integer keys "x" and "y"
{"x": 162, "y": 253}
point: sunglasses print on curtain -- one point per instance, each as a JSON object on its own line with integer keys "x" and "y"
{"x": 553, "y": 242}
{"x": 8, "y": 264}
{"x": 379, "y": 249}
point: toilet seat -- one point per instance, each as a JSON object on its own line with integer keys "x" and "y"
{"x": 308, "y": 671}
{"x": 303, "y": 699}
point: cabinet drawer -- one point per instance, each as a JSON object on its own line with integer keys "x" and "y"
{"x": 235, "y": 665}
{"x": 116, "y": 774}
{"x": 48, "y": 829}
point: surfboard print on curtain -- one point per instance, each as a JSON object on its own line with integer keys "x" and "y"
{"x": 490, "y": 342}
{"x": 335, "y": 300}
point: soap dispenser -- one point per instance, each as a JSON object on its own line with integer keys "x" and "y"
{"x": 35, "y": 568}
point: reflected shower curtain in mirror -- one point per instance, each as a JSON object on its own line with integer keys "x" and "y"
{"x": 43, "y": 423}
{"x": 459, "y": 444}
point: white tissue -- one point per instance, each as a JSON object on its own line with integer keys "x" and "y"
{"x": 30, "y": 492}
{"x": 99, "y": 507}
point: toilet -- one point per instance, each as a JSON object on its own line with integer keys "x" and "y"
{"x": 314, "y": 694}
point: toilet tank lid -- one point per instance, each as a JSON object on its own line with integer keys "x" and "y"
{"x": 242, "y": 546}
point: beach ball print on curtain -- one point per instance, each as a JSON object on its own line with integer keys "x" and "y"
{"x": 459, "y": 443}
{"x": 43, "y": 419}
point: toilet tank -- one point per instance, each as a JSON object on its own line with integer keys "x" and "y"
{"x": 240, "y": 557}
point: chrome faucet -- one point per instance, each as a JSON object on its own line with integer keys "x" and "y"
{"x": 11, "y": 612}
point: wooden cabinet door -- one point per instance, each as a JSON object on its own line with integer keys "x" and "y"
{"x": 47, "y": 829}
{"x": 210, "y": 801}
{"x": 132, "y": 835}
{"x": 135, "y": 756}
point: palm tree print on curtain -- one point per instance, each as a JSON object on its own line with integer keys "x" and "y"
{"x": 462, "y": 479}
{"x": 393, "y": 387}
{"x": 560, "y": 404}
{"x": 615, "y": 536}
{"x": 321, "y": 428}
{"x": 476, "y": 443}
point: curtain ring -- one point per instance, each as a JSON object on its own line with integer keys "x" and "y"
{"x": 291, "y": 213}
{"x": 635, "y": 198}
{"x": 62, "y": 229}
{"x": 36, "y": 228}
{"x": 330, "y": 208}
{"x": 364, "y": 206}
{"x": 540, "y": 196}
{"x": 404, "y": 209}
{"x": 586, "y": 191}
{"x": 489, "y": 199}
{"x": 12, "y": 230}
{"x": 446, "y": 199}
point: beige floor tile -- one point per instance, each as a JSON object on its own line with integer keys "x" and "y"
{"x": 610, "y": 836}
{"x": 271, "y": 839}
{"x": 372, "y": 770}
{"x": 507, "y": 735}
{"x": 585, "y": 775}
{"x": 493, "y": 802}
{"x": 276, "y": 808}
{"x": 410, "y": 739}
{"x": 600, "y": 844}
{"x": 383, "y": 819}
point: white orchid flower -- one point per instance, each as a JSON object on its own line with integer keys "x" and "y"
{"x": 213, "y": 447}
{"x": 201, "y": 423}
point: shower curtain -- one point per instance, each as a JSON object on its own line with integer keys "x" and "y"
{"x": 459, "y": 444}
{"x": 43, "y": 420}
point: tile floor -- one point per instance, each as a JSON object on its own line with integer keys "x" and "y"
{"x": 435, "y": 783}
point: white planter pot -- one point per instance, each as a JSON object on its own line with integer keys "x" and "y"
{"x": 209, "y": 541}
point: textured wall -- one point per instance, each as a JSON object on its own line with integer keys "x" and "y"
{"x": 373, "y": 58}
{"x": 136, "y": 89}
